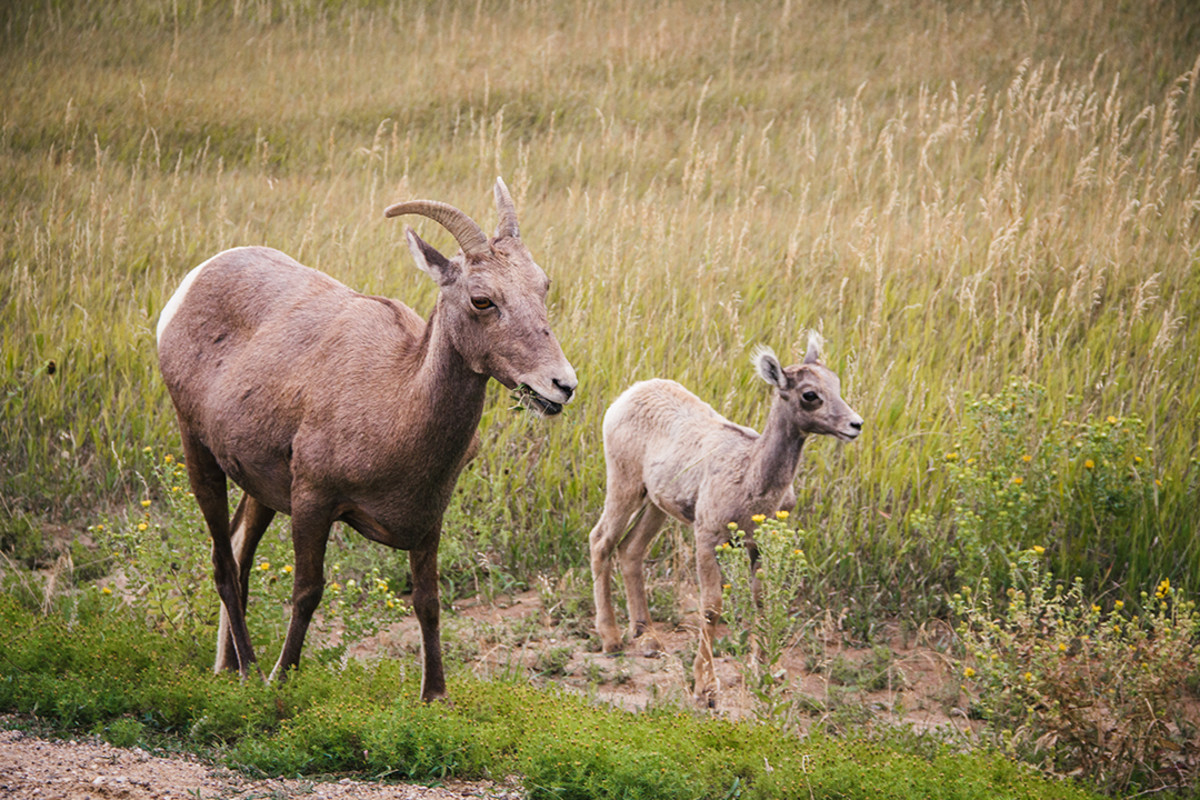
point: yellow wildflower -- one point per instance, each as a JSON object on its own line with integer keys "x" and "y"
{"x": 264, "y": 566}
{"x": 1028, "y": 676}
{"x": 145, "y": 504}
{"x": 952, "y": 456}
{"x": 1062, "y": 648}
{"x": 969, "y": 673}
{"x": 781, "y": 514}
{"x": 759, "y": 518}
{"x": 1089, "y": 464}
{"x": 142, "y": 526}
{"x": 288, "y": 569}
{"x": 1112, "y": 420}
{"x": 1027, "y": 458}
{"x": 1038, "y": 549}
{"x": 106, "y": 590}
{"x": 1119, "y": 605}
{"x": 1018, "y": 480}
{"x": 168, "y": 458}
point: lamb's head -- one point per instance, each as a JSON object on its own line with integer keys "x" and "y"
{"x": 811, "y": 392}
{"x": 493, "y": 302}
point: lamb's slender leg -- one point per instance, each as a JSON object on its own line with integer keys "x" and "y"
{"x": 311, "y": 521}
{"x": 756, "y": 598}
{"x": 619, "y": 506}
{"x": 428, "y": 611}
{"x": 708, "y": 574}
{"x": 208, "y": 485}
{"x": 250, "y": 521}
{"x": 632, "y": 554}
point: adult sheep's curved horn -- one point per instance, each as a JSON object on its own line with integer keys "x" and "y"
{"x": 508, "y": 212}
{"x": 470, "y": 237}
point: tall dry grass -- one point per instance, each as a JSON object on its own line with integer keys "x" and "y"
{"x": 956, "y": 196}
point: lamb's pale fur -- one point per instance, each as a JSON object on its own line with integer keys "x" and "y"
{"x": 669, "y": 453}
{"x": 330, "y": 405}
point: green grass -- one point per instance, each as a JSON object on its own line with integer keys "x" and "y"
{"x": 92, "y": 665}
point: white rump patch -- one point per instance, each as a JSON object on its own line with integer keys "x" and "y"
{"x": 172, "y": 306}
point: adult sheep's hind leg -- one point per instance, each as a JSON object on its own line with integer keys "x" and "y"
{"x": 250, "y": 521}
{"x": 209, "y": 487}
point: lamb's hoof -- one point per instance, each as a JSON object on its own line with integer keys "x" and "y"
{"x": 648, "y": 646}
{"x": 706, "y": 699}
{"x": 613, "y": 648}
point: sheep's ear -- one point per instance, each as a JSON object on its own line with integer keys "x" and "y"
{"x": 812, "y": 353}
{"x": 769, "y": 368}
{"x": 430, "y": 261}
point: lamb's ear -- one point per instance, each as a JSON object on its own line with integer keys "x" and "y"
{"x": 768, "y": 366}
{"x": 430, "y": 261}
{"x": 812, "y": 353}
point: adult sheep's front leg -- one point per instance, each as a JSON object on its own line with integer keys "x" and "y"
{"x": 708, "y": 574}
{"x": 427, "y": 608}
{"x": 311, "y": 522}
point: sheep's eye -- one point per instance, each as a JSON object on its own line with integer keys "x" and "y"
{"x": 482, "y": 303}
{"x": 810, "y": 397}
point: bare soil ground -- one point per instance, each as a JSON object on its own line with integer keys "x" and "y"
{"x": 827, "y": 683}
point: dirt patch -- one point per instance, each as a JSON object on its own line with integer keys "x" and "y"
{"x": 825, "y": 680}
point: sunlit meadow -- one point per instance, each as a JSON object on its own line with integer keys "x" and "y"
{"x": 962, "y": 198}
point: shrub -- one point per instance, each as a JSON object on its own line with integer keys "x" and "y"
{"x": 1018, "y": 478}
{"x": 769, "y": 617}
{"x": 1066, "y": 684}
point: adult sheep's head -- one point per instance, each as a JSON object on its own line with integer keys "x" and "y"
{"x": 493, "y": 302}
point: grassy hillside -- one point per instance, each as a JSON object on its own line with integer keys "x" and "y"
{"x": 964, "y": 199}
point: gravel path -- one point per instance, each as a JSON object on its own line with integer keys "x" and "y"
{"x": 42, "y": 769}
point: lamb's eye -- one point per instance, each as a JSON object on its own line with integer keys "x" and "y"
{"x": 810, "y": 397}
{"x": 482, "y": 303}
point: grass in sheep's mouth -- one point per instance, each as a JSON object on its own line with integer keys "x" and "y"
{"x": 526, "y": 399}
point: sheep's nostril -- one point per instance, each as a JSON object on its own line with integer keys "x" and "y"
{"x": 566, "y": 389}
{"x": 856, "y": 425}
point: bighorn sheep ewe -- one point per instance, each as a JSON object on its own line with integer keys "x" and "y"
{"x": 668, "y": 452}
{"x": 330, "y": 405}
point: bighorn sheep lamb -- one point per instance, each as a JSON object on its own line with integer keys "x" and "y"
{"x": 330, "y": 405}
{"x": 668, "y": 452}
